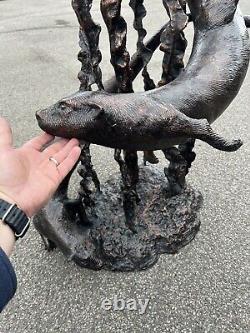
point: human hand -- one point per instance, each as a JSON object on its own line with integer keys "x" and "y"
{"x": 27, "y": 177}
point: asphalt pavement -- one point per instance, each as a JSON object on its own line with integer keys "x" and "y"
{"x": 204, "y": 288}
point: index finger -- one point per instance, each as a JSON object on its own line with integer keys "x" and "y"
{"x": 40, "y": 141}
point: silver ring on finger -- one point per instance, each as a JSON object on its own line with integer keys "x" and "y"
{"x": 53, "y": 160}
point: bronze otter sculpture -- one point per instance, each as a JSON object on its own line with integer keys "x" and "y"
{"x": 126, "y": 223}
{"x": 169, "y": 115}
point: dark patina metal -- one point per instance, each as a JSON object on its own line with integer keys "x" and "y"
{"x": 126, "y": 225}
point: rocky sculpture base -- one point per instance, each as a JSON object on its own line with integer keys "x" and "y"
{"x": 163, "y": 224}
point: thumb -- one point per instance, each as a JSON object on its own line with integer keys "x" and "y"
{"x": 5, "y": 133}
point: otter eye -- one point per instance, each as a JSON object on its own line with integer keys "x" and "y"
{"x": 63, "y": 106}
{"x": 68, "y": 104}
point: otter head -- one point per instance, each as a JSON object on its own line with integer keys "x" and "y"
{"x": 213, "y": 13}
{"x": 72, "y": 116}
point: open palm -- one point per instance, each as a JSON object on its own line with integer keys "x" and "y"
{"x": 27, "y": 176}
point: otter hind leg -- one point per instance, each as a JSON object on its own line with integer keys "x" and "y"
{"x": 149, "y": 156}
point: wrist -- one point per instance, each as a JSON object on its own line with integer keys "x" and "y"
{"x": 11, "y": 201}
{"x": 7, "y": 238}
{"x": 15, "y": 218}
{"x": 5, "y": 197}
{"x": 6, "y": 228}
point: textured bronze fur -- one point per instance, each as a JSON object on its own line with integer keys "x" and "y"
{"x": 183, "y": 109}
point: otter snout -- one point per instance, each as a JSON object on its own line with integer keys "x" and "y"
{"x": 40, "y": 116}
{"x": 45, "y": 121}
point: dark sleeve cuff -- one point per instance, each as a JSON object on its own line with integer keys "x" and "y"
{"x": 8, "y": 281}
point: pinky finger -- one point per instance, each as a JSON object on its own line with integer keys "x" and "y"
{"x": 66, "y": 166}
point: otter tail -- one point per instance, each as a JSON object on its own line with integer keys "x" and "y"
{"x": 203, "y": 131}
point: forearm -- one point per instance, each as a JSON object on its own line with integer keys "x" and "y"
{"x": 8, "y": 282}
{"x": 7, "y": 238}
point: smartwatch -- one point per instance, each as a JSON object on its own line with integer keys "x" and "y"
{"x": 15, "y": 218}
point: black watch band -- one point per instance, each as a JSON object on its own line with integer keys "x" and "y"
{"x": 15, "y": 218}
